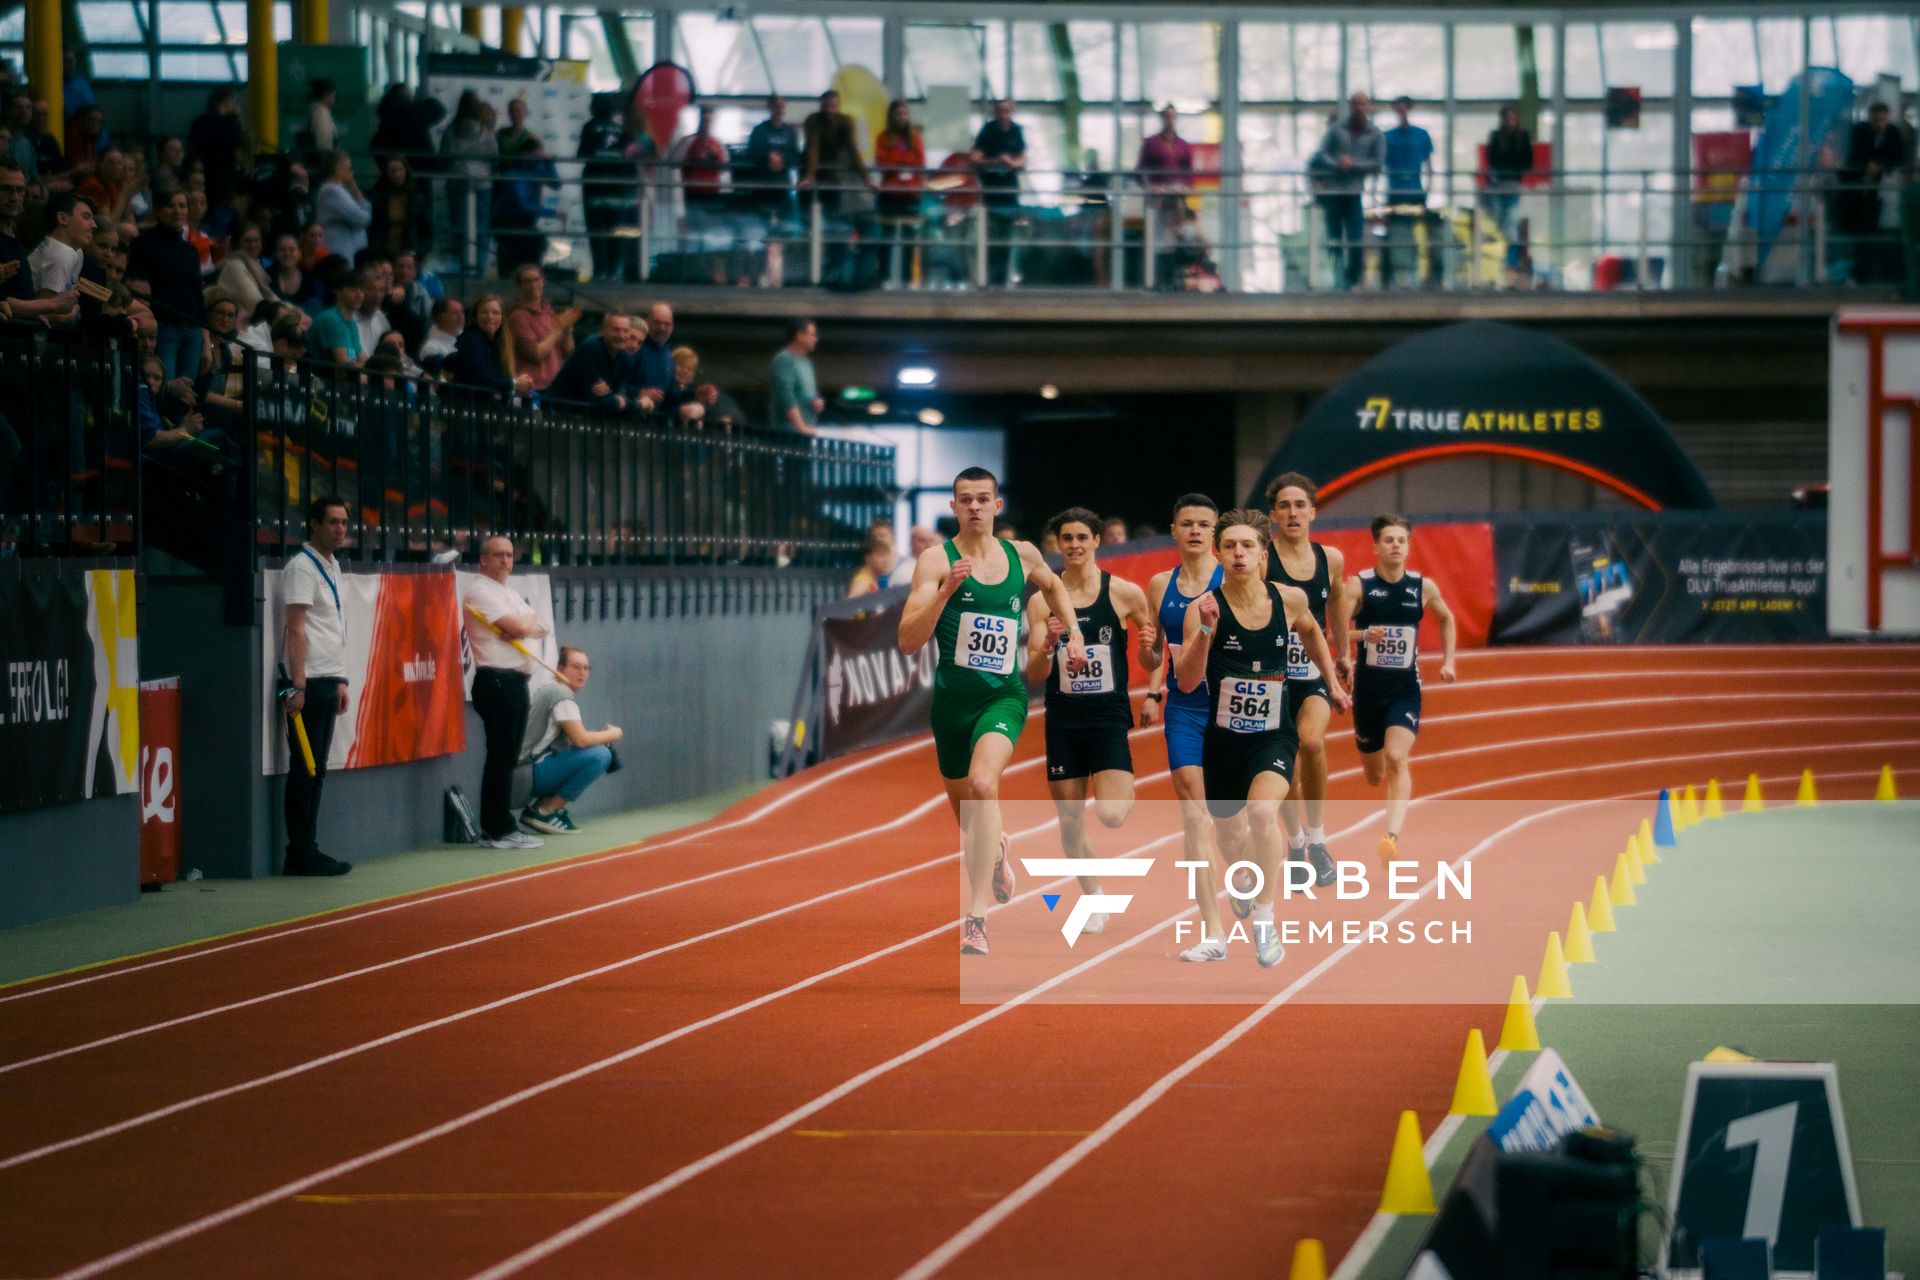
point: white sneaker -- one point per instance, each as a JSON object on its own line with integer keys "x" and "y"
{"x": 512, "y": 840}
{"x": 1206, "y": 952}
{"x": 1096, "y": 923}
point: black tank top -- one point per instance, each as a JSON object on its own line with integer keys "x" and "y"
{"x": 1100, "y": 690}
{"x": 1318, "y": 586}
{"x": 1246, "y": 671}
{"x": 1398, "y": 606}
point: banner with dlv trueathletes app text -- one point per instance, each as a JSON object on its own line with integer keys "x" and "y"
{"x": 69, "y": 708}
{"x": 404, "y": 697}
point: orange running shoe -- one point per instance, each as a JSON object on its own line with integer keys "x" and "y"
{"x": 1002, "y": 875}
{"x": 1388, "y": 849}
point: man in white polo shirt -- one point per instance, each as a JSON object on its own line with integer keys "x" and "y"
{"x": 500, "y": 686}
{"x": 315, "y": 645}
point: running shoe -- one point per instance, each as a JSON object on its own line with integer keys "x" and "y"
{"x": 973, "y": 936}
{"x": 511, "y": 840}
{"x": 545, "y": 823}
{"x": 564, "y": 821}
{"x": 1388, "y": 850}
{"x": 1003, "y": 875}
{"x": 1296, "y": 852}
{"x": 1242, "y": 907}
{"x": 1206, "y": 952}
{"x": 1096, "y": 923}
{"x": 1266, "y": 942}
{"x": 1323, "y": 874}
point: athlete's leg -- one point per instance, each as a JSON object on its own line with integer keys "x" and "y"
{"x": 1189, "y": 784}
{"x": 980, "y": 824}
{"x": 1312, "y": 770}
{"x": 1112, "y": 796}
{"x": 1070, "y": 802}
{"x": 1264, "y": 796}
{"x": 1374, "y": 765}
{"x": 1399, "y": 774}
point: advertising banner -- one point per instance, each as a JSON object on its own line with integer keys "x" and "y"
{"x": 159, "y": 781}
{"x": 69, "y": 710}
{"x": 403, "y": 661}
{"x": 1708, "y": 580}
{"x": 872, "y": 693}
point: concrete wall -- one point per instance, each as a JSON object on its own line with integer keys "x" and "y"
{"x": 68, "y": 858}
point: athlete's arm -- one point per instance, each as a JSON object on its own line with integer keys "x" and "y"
{"x": 934, "y": 581}
{"x": 1048, "y": 583}
{"x": 1134, "y": 609}
{"x": 1190, "y": 668}
{"x": 1157, "y": 671}
{"x": 1338, "y": 615}
{"x": 1436, "y": 604}
{"x": 1043, "y": 633}
{"x": 1300, "y": 622}
{"x": 1350, "y": 606}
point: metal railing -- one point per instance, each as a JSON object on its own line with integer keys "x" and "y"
{"x": 70, "y": 460}
{"x": 428, "y": 468}
{"x": 1251, "y": 231}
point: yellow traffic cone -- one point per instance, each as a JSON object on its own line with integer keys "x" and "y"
{"x": 1752, "y": 803}
{"x": 1690, "y": 806}
{"x": 1579, "y": 938}
{"x": 1309, "y": 1261}
{"x": 1636, "y": 868}
{"x": 1714, "y": 809}
{"x": 1622, "y": 886}
{"x": 1600, "y": 910}
{"x": 1807, "y": 797}
{"x": 1553, "y": 983}
{"x": 1518, "y": 1034}
{"x": 1409, "y": 1187}
{"x": 1473, "y": 1088}
{"x": 1648, "y": 854}
{"x": 1885, "y": 791}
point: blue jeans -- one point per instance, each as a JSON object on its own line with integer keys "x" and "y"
{"x": 178, "y": 346}
{"x": 1346, "y": 236}
{"x": 568, "y": 774}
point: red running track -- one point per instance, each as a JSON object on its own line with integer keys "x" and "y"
{"x": 739, "y": 1050}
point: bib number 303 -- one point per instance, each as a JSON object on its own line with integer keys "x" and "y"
{"x": 1250, "y": 706}
{"x": 986, "y": 643}
{"x": 1395, "y": 649}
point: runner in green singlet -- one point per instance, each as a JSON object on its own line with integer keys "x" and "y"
{"x": 967, "y": 594}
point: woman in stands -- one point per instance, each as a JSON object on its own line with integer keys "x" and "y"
{"x": 483, "y": 354}
{"x": 241, "y": 277}
{"x": 292, "y": 283}
{"x": 402, "y": 211}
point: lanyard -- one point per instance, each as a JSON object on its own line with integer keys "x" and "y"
{"x": 338, "y": 612}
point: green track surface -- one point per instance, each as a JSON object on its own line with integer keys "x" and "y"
{"x": 193, "y": 911}
{"x": 1788, "y": 934}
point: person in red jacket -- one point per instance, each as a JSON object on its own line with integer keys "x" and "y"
{"x": 900, "y": 157}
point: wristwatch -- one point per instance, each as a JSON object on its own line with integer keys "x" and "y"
{"x": 1156, "y": 697}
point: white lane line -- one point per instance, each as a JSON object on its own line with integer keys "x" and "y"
{"x": 199, "y": 1225}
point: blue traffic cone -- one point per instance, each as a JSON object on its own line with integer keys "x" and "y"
{"x": 1663, "y": 820}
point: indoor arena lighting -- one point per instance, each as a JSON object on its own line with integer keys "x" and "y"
{"x": 877, "y": 407}
{"x": 916, "y": 375}
{"x": 1049, "y": 392}
{"x": 931, "y": 417}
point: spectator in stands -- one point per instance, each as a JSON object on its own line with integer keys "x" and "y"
{"x": 1350, "y": 153}
{"x": 796, "y": 395}
{"x": 519, "y": 199}
{"x": 1113, "y": 532}
{"x": 241, "y": 276}
{"x": 195, "y": 234}
{"x": 483, "y": 356}
{"x": 335, "y": 335}
{"x": 832, "y": 155}
{"x": 174, "y": 433}
{"x": 371, "y": 318}
{"x": 266, "y": 313}
{"x": 18, "y": 273}
{"x": 999, "y": 154}
{"x": 291, "y": 282}
{"x": 560, "y": 757}
{"x": 653, "y": 361}
{"x": 392, "y": 350}
{"x": 876, "y": 564}
{"x": 449, "y": 318}
{"x": 170, "y": 163}
{"x": 1509, "y": 161}
{"x": 599, "y": 372}
{"x": 313, "y": 247}
{"x": 408, "y": 306}
{"x": 278, "y": 195}
{"x": 515, "y": 137}
{"x": 1876, "y": 150}
{"x": 75, "y": 89}
{"x": 919, "y": 538}
{"x": 470, "y": 144}
{"x": 609, "y": 191}
{"x": 112, "y": 186}
{"x": 86, "y": 138}
{"x": 900, "y": 156}
{"x": 698, "y": 164}
{"x": 56, "y": 260}
{"x": 1409, "y": 162}
{"x": 402, "y": 210}
{"x": 1166, "y": 162}
{"x": 500, "y": 693}
{"x": 218, "y": 142}
{"x": 344, "y": 214}
{"x": 169, "y": 266}
{"x": 220, "y": 387}
{"x": 314, "y": 648}
{"x": 690, "y": 399}
{"x": 773, "y": 155}
{"x": 323, "y": 135}
{"x": 21, "y": 152}
{"x": 52, "y": 157}
{"x": 406, "y": 125}
{"x": 542, "y": 338}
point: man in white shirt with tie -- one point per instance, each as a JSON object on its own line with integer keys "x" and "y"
{"x": 315, "y": 645}
{"x": 500, "y": 693}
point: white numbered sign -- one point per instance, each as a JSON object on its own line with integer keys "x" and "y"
{"x": 1299, "y": 665}
{"x": 1251, "y": 706}
{"x": 987, "y": 643}
{"x": 1095, "y": 677}
{"x": 1395, "y": 649}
